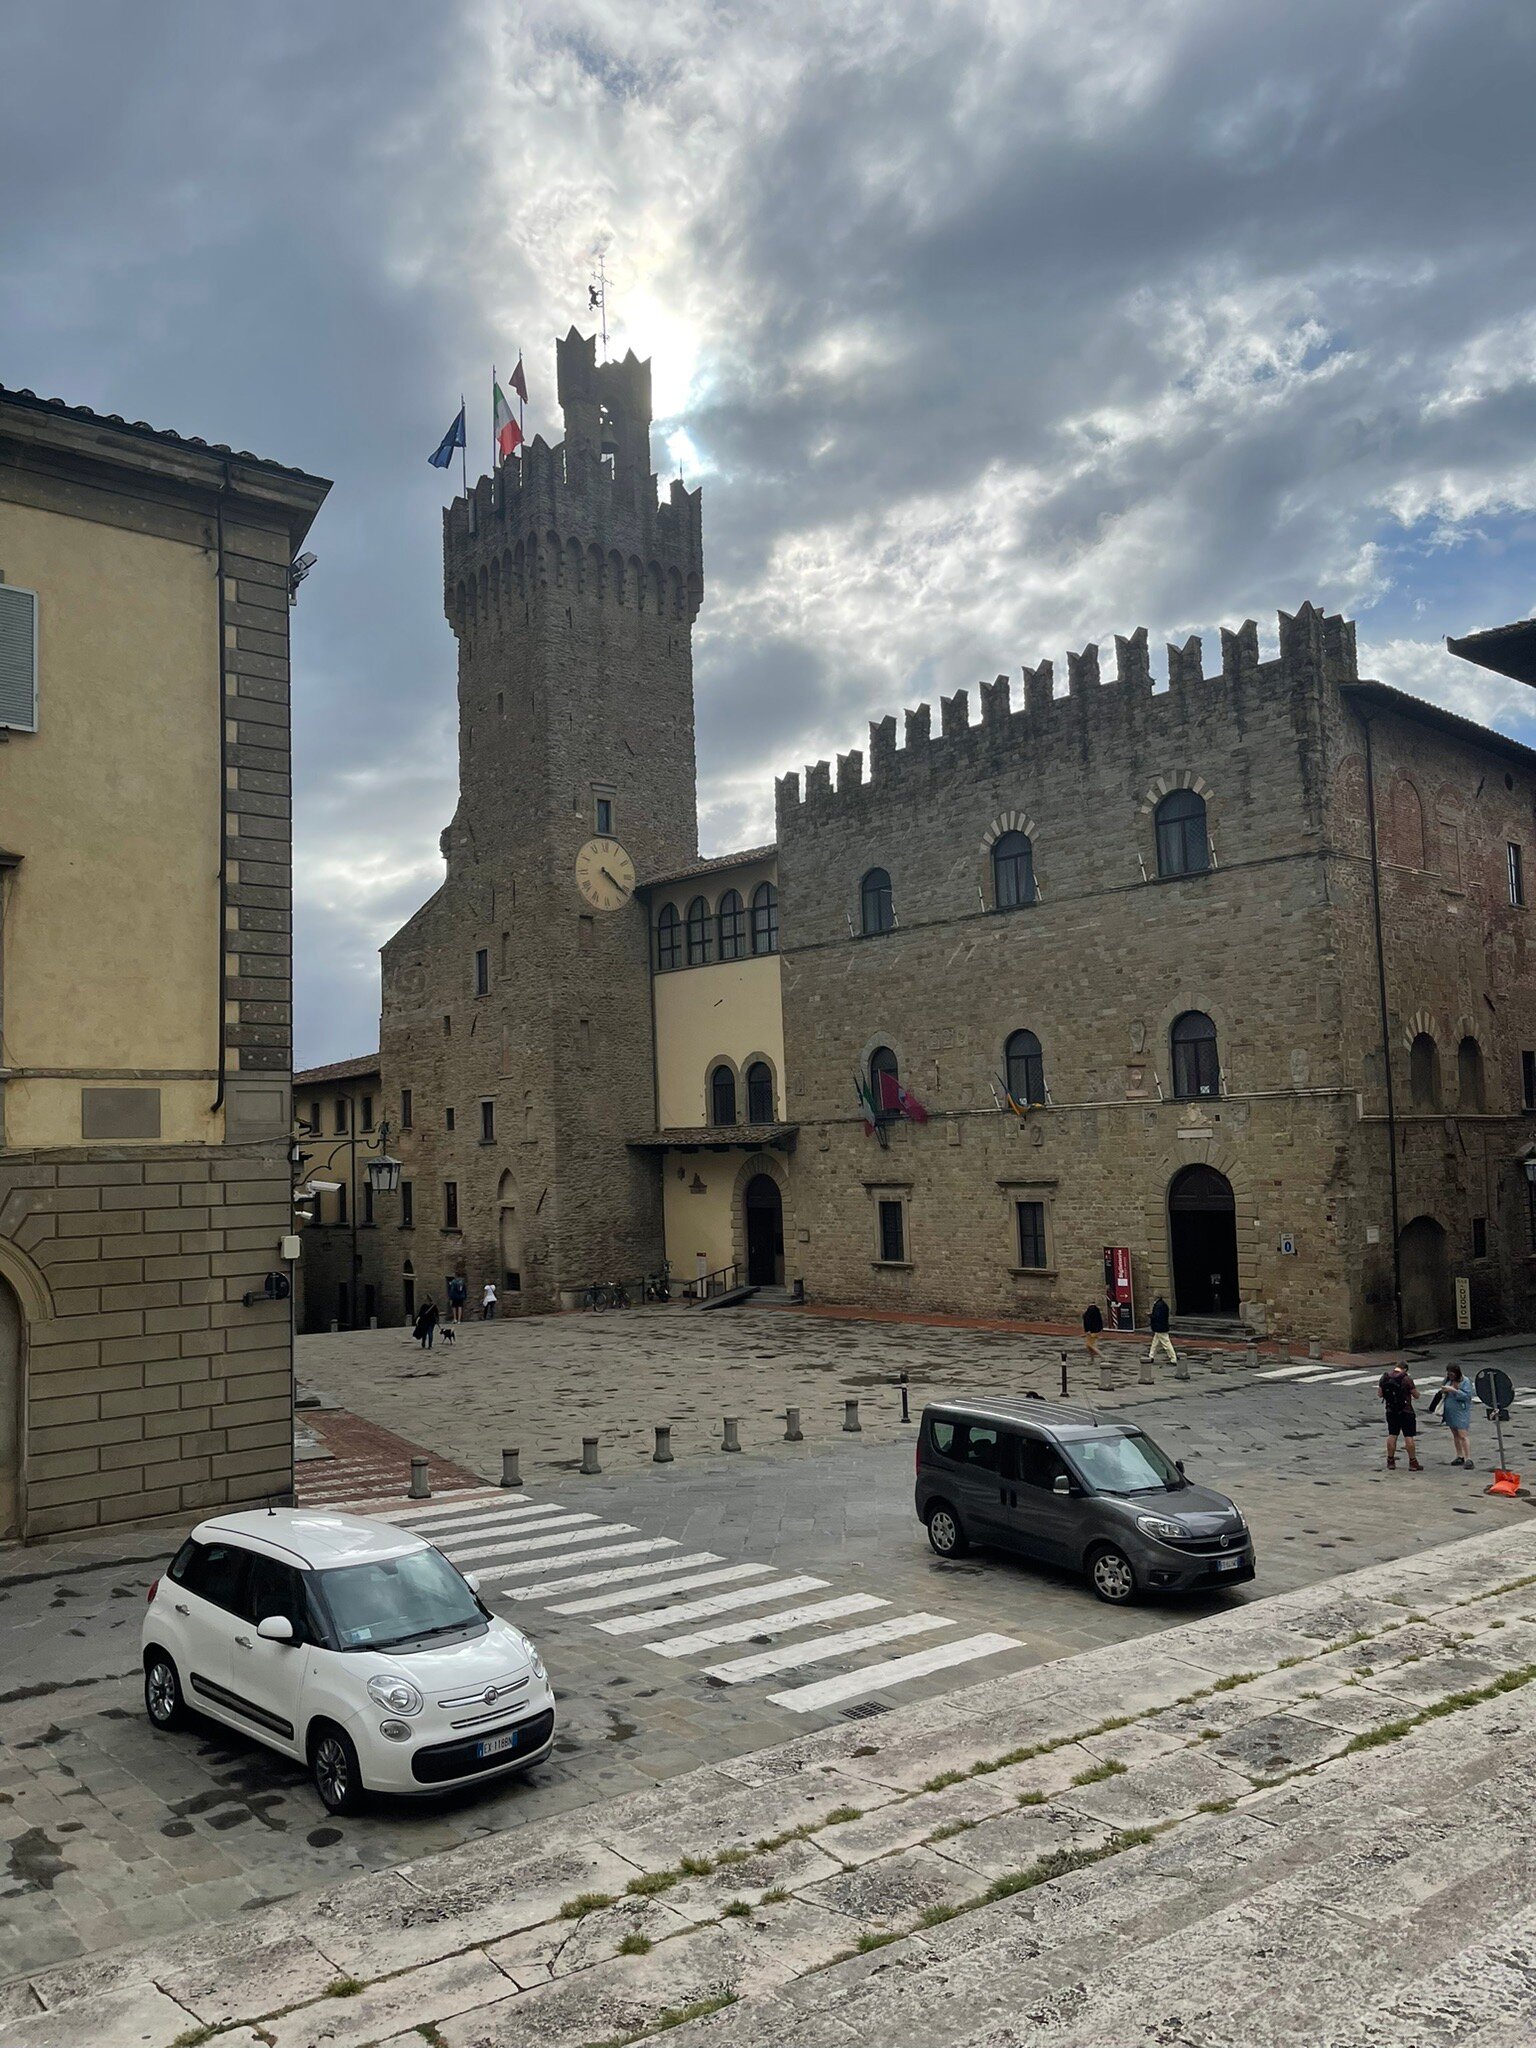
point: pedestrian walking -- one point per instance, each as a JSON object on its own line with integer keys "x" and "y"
{"x": 1161, "y": 1346}
{"x": 1093, "y": 1331}
{"x": 1398, "y": 1395}
{"x": 1456, "y": 1412}
{"x": 425, "y": 1324}
{"x": 488, "y": 1302}
{"x": 458, "y": 1294}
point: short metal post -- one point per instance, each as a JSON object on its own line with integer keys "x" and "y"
{"x": 851, "y": 1415}
{"x": 1106, "y": 1377}
{"x": 1148, "y": 1376}
{"x": 732, "y": 1437}
{"x": 793, "y": 1434}
{"x": 510, "y": 1475}
{"x": 420, "y": 1488}
{"x": 589, "y": 1462}
{"x": 1063, "y": 1375}
{"x": 662, "y": 1455}
{"x": 906, "y": 1412}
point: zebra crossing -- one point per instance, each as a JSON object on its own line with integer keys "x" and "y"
{"x": 1310, "y": 1373}
{"x": 628, "y": 1586}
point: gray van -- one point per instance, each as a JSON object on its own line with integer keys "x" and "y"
{"x": 1077, "y": 1488}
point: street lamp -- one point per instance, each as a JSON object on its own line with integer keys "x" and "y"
{"x": 383, "y": 1179}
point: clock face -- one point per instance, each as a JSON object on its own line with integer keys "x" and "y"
{"x": 605, "y": 874}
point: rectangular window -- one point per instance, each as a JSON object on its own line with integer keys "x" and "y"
{"x": 1528, "y": 1078}
{"x": 1031, "y": 1218}
{"x": 450, "y": 1205}
{"x": 487, "y": 1123}
{"x": 893, "y": 1241}
{"x": 482, "y": 972}
{"x": 407, "y": 1204}
{"x": 405, "y": 1109}
{"x": 341, "y": 1203}
{"x": 1479, "y": 1237}
{"x": 367, "y": 1201}
{"x": 605, "y": 815}
{"x": 18, "y": 658}
{"x": 314, "y": 1118}
{"x": 410, "y": 1294}
{"x": 341, "y": 1116}
{"x": 447, "y": 1027}
{"x": 367, "y": 1112}
{"x": 1516, "y": 876}
{"x": 448, "y": 1119}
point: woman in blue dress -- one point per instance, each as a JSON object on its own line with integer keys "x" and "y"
{"x": 1455, "y": 1401}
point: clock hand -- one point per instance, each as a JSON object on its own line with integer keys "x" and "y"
{"x": 615, "y": 881}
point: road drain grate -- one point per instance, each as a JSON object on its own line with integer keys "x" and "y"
{"x": 866, "y": 1710}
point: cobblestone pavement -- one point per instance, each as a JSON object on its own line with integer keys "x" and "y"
{"x": 108, "y": 1832}
{"x": 1304, "y": 1819}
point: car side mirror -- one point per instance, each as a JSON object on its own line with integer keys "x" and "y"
{"x": 1061, "y": 1483}
{"x": 472, "y": 1580}
{"x": 276, "y": 1628}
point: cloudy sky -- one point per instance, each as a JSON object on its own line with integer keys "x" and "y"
{"x": 989, "y": 329}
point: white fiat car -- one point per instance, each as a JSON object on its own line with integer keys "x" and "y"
{"x": 349, "y": 1643}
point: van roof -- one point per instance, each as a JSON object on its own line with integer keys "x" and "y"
{"x": 1053, "y": 1418}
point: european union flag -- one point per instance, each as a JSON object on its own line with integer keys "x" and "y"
{"x": 454, "y": 438}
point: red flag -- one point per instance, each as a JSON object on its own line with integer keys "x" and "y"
{"x": 910, "y": 1106}
{"x": 890, "y": 1093}
{"x": 519, "y": 382}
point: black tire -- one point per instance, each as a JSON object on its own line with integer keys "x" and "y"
{"x": 1112, "y": 1576}
{"x": 163, "y": 1701}
{"x": 946, "y": 1534}
{"x": 334, "y": 1770}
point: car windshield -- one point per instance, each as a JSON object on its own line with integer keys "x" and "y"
{"x": 1125, "y": 1464}
{"x": 395, "y": 1600}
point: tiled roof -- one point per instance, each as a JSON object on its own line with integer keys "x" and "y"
{"x": 145, "y": 431}
{"x": 339, "y": 1070}
{"x": 1445, "y": 721}
{"x": 1507, "y": 650}
{"x": 714, "y": 1138}
{"x": 709, "y": 867}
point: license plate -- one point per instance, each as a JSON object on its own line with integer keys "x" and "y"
{"x": 1228, "y": 1564}
{"x": 493, "y": 1745}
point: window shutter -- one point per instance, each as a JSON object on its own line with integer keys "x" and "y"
{"x": 18, "y": 658}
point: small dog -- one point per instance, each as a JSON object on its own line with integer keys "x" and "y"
{"x": 446, "y": 1332}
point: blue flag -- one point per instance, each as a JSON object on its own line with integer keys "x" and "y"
{"x": 454, "y": 438}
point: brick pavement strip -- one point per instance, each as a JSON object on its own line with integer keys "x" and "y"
{"x": 1124, "y": 1846}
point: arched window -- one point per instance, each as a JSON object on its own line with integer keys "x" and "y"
{"x": 759, "y": 1093}
{"x": 722, "y": 1096}
{"x": 765, "y": 918}
{"x": 1407, "y": 825}
{"x": 1025, "y": 1068}
{"x": 701, "y": 934}
{"x": 733, "y": 926}
{"x": 1424, "y": 1072}
{"x": 1013, "y": 871}
{"x": 1469, "y": 1075}
{"x": 1183, "y": 847}
{"x": 669, "y": 938}
{"x": 882, "y": 1080}
{"x": 1196, "y": 1067}
{"x": 877, "y": 913}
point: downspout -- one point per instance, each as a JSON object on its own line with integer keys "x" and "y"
{"x": 218, "y": 1101}
{"x": 1386, "y": 1036}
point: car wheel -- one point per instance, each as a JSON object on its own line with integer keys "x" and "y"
{"x": 162, "y": 1692}
{"x": 333, "y": 1766}
{"x": 1113, "y": 1577}
{"x": 944, "y": 1531}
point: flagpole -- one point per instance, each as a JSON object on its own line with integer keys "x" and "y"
{"x": 493, "y": 419}
{"x": 464, "y": 446}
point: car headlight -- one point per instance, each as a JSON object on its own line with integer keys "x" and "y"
{"x": 530, "y": 1653}
{"x": 397, "y": 1694}
{"x": 1155, "y": 1525}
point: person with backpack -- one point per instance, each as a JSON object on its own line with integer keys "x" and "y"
{"x": 1456, "y": 1395}
{"x": 1398, "y": 1394}
{"x": 458, "y": 1294}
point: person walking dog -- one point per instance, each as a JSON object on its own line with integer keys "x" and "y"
{"x": 425, "y": 1324}
{"x": 1456, "y": 1412}
{"x": 1398, "y": 1394}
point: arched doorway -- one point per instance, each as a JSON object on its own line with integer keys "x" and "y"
{"x": 1425, "y": 1262}
{"x": 1202, "y": 1241}
{"x": 765, "y": 1231}
{"x": 511, "y": 1235}
{"x": 10, "y": 1413}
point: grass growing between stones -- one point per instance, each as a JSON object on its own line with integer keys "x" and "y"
{"x": 738, "y": 1909}
{"x": 636, "y": 1945}
{"x": 775, "y": 1897}
{"x": 1109, "y": 1769}
{"x": 1453, "y": 1703}
{"x": 650, "y": 1882}
{"x": 194, "y": 2037}
{"x": 1031, "y": 1799}
{"x": 680, "y": 2015}
{"x": 840, "y": 1815}
{"x": 585, "y": 1903}
{"x": 343, "y": 1987}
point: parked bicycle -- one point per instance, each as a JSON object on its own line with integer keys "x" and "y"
{"x": 658, "y": 1286}
{"x": 600, "y": 1294}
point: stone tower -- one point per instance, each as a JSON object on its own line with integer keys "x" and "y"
{"x": 521, "y": 984}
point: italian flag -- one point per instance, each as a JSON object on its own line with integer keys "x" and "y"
{"x": 508, "y": 433}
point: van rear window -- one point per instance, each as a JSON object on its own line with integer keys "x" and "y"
{"x": 943, "y": 1434}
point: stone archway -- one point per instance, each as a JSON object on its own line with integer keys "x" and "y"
{"x": 1202, "y": 1242}
{"x": 763, "y": 1224}
{"x": 510, "y": 1234}
{"x": 1424, "y": 1258}
{"x": 10, "y": 1413}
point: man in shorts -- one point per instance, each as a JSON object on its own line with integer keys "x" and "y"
{"x": 1398, "y": 1394}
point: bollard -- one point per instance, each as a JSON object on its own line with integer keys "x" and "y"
{"x": 906, "y": 1412}
{"x": 1251, "y": 1358}
{"x": 1106, "y": 1377}
{"x": 421, "y": 1486}
{"x": 589, "y": 1462}
{"x": 510, "y": 1476}
{"x": 1148, "y": 1377}
{"x": 1314, "y": 1348}
{"x": 1063, "y": 1375}
{"x": 792, "y": 1431}
{"x": 732, "y": 1438}
{"x": 851, "y": 1415}
{"x": 662, "y": 1455}
{"x": 373, "y": 1322}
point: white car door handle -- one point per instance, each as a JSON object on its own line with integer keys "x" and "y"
{"x": 242, "y": 1642}
{"x": 182, "y": 1607}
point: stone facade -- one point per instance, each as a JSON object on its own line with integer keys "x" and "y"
{"x": 339, "y": 1125}
{"x": 143, "y": 1154}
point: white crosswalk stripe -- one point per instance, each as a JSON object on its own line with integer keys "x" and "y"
{"x": 558, "y": 1541}
{"x": 477, "y": 1521}
{"x": 381, "y": 1505}
{"x": 1283, "y": 1372}
{"x": 495, "y": 1543}
{"x": 552, "y": 1589}
{"x": 827, "y": 1649}
{"x": 852, "y": 1685}
{"x": 531, "y": 1566}
{"x": 780, "y": 1624}
{"x": 722, "y": 1575}
{"x": 452, "y": 1537}
{"x": 413, "y": 1516}
{"x": 698, "y": 1610}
